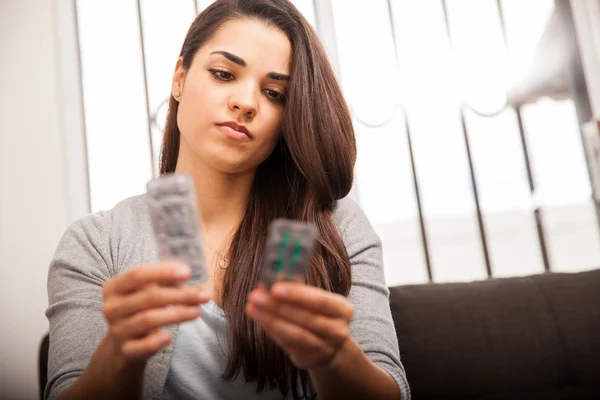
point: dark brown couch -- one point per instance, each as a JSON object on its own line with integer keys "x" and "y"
{"x": 535, "y": 337}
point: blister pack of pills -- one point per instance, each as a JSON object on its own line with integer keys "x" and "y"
{"x": 173, "y": 211}
{"x": 288, "y": 251}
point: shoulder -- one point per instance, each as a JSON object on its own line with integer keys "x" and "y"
{"x": 104, "y": 222}
{"x": 98, "y": 233}
{"x": 353, "y": 225}
{"x": 128, "y": 210}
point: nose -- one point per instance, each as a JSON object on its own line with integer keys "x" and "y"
{"x": 243, "y": 99}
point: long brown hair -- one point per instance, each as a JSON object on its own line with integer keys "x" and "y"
{"x": 310, "y": 168}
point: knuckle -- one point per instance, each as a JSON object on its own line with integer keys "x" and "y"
{"x": 342, "y": 334}
{"x": 283, "y": 309}
{"x": 152, "y": 345}
{"x": 295, "y": 337}
{"x": 105, "y": 289}
{"x": 136, "y": 276}
{"x": 188, "y": 314}
{"x": 180, "y": 312}
{"x": 141, "y": 347}
{"x": 145, "y": 351}
{"x": 108, "y": 310}
{"x": 320, "y": 322}
{"x": 129, "y": 349}
{"x": 117, "y": 332}
{"x": 325, "y": 350}
{"x": 145, "y": 321}
{"x": 321, "y": 304}
{"x": 153, "y": 295}
{"x": 191, "y": 293}
{"x": 349, "y": 311}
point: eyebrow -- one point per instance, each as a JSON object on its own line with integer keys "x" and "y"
{"x": 239, "y": 61}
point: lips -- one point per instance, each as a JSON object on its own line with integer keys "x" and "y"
{"x": 237, "y": 127}
{"x": 234, "y": 131}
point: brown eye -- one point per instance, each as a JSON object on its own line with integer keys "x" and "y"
{"x": 275, "y": 95}
{"x": 221, "y": 75}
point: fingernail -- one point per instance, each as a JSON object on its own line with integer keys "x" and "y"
{"x": 260, "y": 299}
{"x": 280, "y": 290}
{"x": 203, "y": 295}
{"x": 182, "y": 271}
{"x": 256, "y": 312}
{"x": 193, "y": 310}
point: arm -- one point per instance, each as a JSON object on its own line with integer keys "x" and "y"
{"x": 377, "y": 365}
{"x": 352, "y": 375}
{"x": 106, "y": 324}
{"x": 77, "y": 272}
{"x": 107, "y": 377}
{"x": 348, "y": 345}
{"x": 83, "y": 360}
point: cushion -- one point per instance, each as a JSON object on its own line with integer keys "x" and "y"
{"x": 464, "y": 340}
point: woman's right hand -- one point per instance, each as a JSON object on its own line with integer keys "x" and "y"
{"x": 140, "y": 301}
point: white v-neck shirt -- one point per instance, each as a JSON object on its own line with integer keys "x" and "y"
{"x": 199, "y": 359}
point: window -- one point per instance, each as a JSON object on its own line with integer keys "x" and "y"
{"x": 442, "y": 172}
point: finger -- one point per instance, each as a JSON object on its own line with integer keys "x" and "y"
{"x": 152, "y": 296}
{"x": 334, "y": 330}
{"x": 314, "y": 299}
{"x": 147, "y": 346}
{"x": 128, "y": 281}
{"x": 289, "y": 336}
{"x": 152, "y": 319}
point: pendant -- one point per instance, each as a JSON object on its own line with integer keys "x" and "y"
{"x": 224, "y": 263}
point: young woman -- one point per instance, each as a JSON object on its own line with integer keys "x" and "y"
{"x": 257, "y": 118}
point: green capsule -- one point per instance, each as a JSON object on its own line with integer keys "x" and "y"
{"x": 282, "y": 246}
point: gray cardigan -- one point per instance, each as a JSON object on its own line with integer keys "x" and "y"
{"x": 101, "y": 245}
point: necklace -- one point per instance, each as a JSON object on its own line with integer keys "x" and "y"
{"x": 223, "y": 261}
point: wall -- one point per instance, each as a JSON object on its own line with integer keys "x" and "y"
{"x": 42, "y": 172}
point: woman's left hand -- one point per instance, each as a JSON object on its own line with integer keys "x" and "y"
{"x": 310, "y": 324}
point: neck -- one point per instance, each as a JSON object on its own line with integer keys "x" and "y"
{"x": 222, "y": 197}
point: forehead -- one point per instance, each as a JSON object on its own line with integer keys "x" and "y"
{"x": 261, "y": 46}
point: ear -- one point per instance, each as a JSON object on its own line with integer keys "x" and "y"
{"x": 178, "y": 79}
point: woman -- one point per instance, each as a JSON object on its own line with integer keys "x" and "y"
{"x": 258, "y": 120}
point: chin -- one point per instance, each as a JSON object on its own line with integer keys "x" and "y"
{"x": 231, "y": 165}
{"x": 234, "y": 161}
